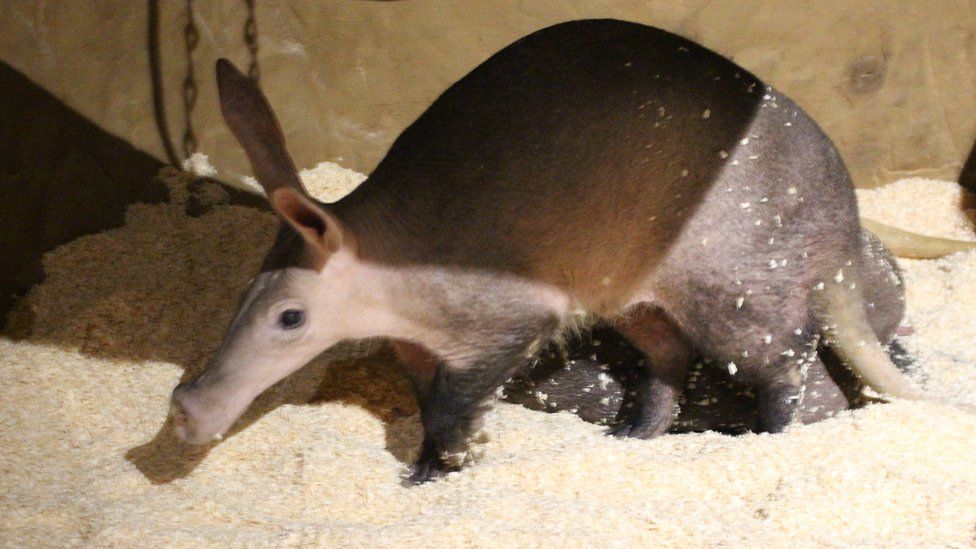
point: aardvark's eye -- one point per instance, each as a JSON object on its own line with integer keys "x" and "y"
{"x": 291, "y": 319}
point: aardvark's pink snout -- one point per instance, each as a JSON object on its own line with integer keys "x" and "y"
{"x": 197, "y": 419}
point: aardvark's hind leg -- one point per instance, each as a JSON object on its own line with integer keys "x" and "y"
{"x": 667, "y": 357}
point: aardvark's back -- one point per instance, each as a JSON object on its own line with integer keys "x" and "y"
{"x": 574, "y": 155}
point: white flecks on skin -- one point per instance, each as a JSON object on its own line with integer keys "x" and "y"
{"x": 684, "y": 173}
{"x": 839, "y": 277}
{"x": 771, "y": 240}
{"x": 604, "y": 379}
{"x": 758, "y": 222}
{"x": 739, "y": 301}
{"x": 754, "y": 157}
{"x": 778, "y": 219}
{"x": 764, "y": 199}
{"x": 752, "y": 87}
{"x": 791, "y": 190}
{"x": 605, "y": 281}
{"x": 788, "y": 124}
{"x": 706, "y": 114}
{"x": 704, "y": 241}
{"x": 744, "y": 205}
{"x": 723, "y": 155}
{"x": 605, "y": 401}
{"x": 541, "y": 397}
{"x": 788, "y": 352}
{"x": 735, "y": 162}
{"x": 773, "y": 264}
{"x": 767, "y": 339}
{"x": 744, "y": 141}
{"x": 798, "y": 331}
{"x": 732, "y": 368}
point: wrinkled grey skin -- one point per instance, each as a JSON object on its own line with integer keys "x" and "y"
{"x": 591, "y": 375}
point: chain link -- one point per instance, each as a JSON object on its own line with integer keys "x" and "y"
{"x": 251, "y": 41}
{"x": 191, "y": 37}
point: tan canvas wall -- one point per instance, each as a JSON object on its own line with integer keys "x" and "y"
{"x": 892, "y": 81}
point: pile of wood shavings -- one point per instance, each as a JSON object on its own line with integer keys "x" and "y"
{"x": 124, "y": 315}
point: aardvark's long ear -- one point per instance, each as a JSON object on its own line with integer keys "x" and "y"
{"x": 249, "y": 116}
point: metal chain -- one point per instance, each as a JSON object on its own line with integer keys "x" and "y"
{"x": 191, "y": 37}
{"x": 251, "y": 40}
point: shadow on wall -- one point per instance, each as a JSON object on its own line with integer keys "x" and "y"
{"x": 967, "y": 177}
{"x": 61, "y": 176}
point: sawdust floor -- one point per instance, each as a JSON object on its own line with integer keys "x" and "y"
{"x": 125, "y": 315}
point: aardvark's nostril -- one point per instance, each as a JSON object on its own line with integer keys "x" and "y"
{"x": 192, "y": 421}
{"x": 179, "y": 419}
{"x": 182, "y": 419}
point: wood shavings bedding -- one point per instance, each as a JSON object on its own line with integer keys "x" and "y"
{"x": 126, "y": 314}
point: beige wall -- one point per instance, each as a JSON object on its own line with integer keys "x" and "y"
{"x": 892, "y": 81}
